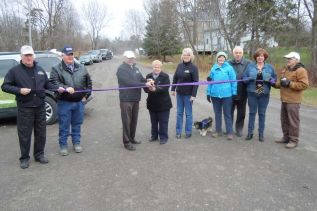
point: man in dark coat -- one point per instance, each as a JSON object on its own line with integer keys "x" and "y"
{"x": 239, "y": 101}
{"x": 159, "y": 103}
{"x": 28, "y": 82}
{"x": 130, "y": 76}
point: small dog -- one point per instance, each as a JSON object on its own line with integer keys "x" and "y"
{"x": 204, "y": 126}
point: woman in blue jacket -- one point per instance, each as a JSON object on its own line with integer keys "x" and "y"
{"x": 259, "y": 77}
{"x": 221, "y": 93}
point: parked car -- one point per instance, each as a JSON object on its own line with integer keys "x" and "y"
{"x": 85, "y": 59}
{"x": 106, "y": 54}
{"x": 96, "y": 55}
{"x": 46, "y": 60}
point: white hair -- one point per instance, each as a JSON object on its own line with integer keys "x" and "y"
{"x": 237, "y": 48}
{"x": 188, "y": 51}
{"x": 155, "y": 62}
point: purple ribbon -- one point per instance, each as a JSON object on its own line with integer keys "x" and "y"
{"x": 161, "y": 85}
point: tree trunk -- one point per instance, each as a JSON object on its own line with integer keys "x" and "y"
{"x": 314, "y": 44}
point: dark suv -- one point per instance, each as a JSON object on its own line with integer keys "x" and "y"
{"x": 8, "y": 106}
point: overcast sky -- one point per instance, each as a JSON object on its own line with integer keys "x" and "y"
{"x": 118, "y": 9}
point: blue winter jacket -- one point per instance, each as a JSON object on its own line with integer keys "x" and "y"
{"x": 223, "y": 73}
{"x": 251, "y": 72}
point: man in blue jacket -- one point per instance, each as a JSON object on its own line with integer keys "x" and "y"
{"x": 28, "y": 81}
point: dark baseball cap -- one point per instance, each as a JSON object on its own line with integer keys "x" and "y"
{"x": 67, "y": 49}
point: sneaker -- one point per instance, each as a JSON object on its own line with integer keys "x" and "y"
{"x": 129, "y": 147}
{"x": 249, "y": 137}
{"x": 42, "y": 160}
{"x": 215, "y": 135}
{"x": 291, "y": 145}
{"x": 281, "y": 141}
{"x": 239, "y": 134}
{"x": 63, "y": 151}
{"x": 135, "y": 142}
{"x": 230, "y": 137}
{"x": 164, "y": 141}
{"x": 188, "y": 135}
{"x": 78, "y": 148}
{"x": 24, "y": 164}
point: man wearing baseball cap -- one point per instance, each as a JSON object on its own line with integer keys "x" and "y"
{"x": 291, "y": 82}
{"x": 28, "y": 82}
{"x": 129, "y": 75}
{"x": 72, "y": 77}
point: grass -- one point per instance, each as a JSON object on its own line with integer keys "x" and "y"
{"x": 205, "y": 62}
{"x": 309, "y": 96}
{"x": 6, "y": 100}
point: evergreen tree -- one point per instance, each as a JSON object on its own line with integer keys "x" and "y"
{"x": 162, "y": 36}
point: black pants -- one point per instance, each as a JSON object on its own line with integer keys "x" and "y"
{"x": 27, "y": 119}
{"x": 159, "y": 122}
{"x": 129, "y": 117}
{"x": 241, "y": 108}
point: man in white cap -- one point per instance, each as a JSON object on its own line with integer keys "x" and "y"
{"x": 130, "y": 76}
{"x": 291, "y": 82}
{"x": 28, "y": 82}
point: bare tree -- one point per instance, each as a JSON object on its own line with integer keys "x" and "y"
{"x": 135, "y": 23}
{"x": 97, "y": 18}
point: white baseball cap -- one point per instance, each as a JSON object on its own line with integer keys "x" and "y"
{"x": 129, "y": 54}
{"x": 26, "y": 49}
{"x": 293, "y": 55}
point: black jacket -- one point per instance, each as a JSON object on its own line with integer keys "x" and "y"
{"x": 34, "y": 78}
{"x": 239, "y": 68}
{"x": 186, "y": 72}
{"x": 79, "y": 79}
{"x": 130, "y": 76}
{"x": 159, "y": 100}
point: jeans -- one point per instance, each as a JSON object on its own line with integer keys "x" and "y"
{"x": 183, "y": 102}
{"x": 257, "y": 104}
{"x": 27, "y": 120}
{"x": 159, "y": 124}
{"x": 219, "y": 105}
{"x": 70, "y": 115}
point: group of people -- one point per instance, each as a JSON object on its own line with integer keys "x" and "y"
{"x": 233, "y": 83}
{"x": 28, "y": 81}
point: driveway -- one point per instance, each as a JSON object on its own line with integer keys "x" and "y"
{"x": 201, "y": 173}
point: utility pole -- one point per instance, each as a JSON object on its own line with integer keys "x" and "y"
{"x": 30, "y": 28}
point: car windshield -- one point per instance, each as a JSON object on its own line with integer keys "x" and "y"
{"x": 103, "y": 50}
{"x": 94, "y": 52}
{"x": 6, "y": 65}
{"x": 84, "y": 57}
{"x": 48, "y": 62}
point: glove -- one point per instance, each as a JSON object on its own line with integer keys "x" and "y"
{"x": 209, "y": 78}
{"x": 272, "y": 81}
{"x": 285, "y": 82}
{"x": 208, "y": 98}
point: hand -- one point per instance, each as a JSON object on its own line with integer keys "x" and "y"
{"x": 25, "y": 91}
{"x": 173, "y": 93}
{"x": 209, "y": 79}
{"x": 272, "y": 81}
{"x": 208, "y": 98}
{"x": 285, "y": 82}
{"x": 192, "y": 99}
{"x": 152, "y": 89}
{"x": 61, "y": 89}
{"x": 149, "y": 84}
{"x": 70, "y": 90}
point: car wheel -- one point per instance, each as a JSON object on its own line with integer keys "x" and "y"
{"x": 51, "y": 110}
